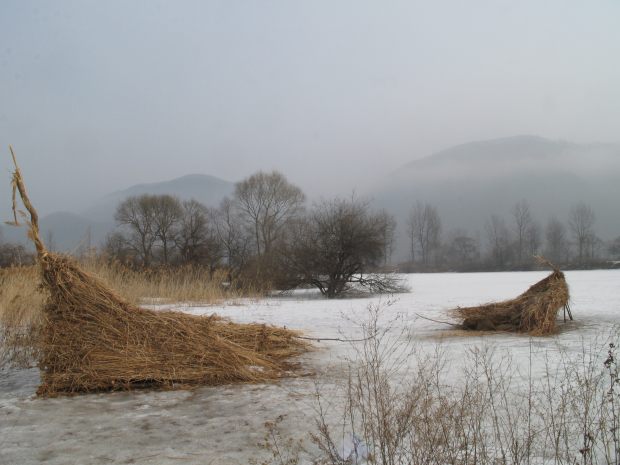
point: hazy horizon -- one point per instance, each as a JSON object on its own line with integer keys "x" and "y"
{"x": 99, "y": 96}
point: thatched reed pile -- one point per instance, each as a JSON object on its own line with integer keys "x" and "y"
{"x": 535, "y": 311}
{"x": 91, "y": 339}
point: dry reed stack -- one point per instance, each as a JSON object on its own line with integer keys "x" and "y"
{"x": 535, "y": 311}
{"x": 93, "y": 340}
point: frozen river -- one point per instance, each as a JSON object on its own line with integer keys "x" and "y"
{"x": 223, "y": 425}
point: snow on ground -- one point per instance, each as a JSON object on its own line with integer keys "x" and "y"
{"x": 223, "y": 425}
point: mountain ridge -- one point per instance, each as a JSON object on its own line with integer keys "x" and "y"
{"x": 466, "y": 182}
{"x": 525, "y": 148}
{"x": 205, "y": 188}
{"x": 469, "y": 182}
{"x": 70, "y": 230}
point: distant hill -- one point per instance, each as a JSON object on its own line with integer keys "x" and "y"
{"x": 72, "y": 230}
{"x": 204, "y": 188}
{"x": 63, "y": 231}
{"x": 469, "y": 182}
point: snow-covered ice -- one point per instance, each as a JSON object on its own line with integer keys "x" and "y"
{"x": 223, "y": 425}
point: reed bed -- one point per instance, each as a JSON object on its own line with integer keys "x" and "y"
{"x": 186, "y": 283}
{"x": 21, "y": 303}
{"x": 22, "y": 298}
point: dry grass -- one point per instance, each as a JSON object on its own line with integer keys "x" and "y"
{"x": 92, "y": 348}
{"x": 535, "y": 311}
{"x": 21, "y": 303}
{"x": 87, "y": 338}
{"x": 22, "y": 299}
{"x": 92, "y": 340}
{"x": 181, "y": 284}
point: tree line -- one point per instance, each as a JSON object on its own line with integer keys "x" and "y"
{"x": 507, "y": 244}
{"x": 264, "y": 234}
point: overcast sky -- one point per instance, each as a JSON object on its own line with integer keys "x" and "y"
{"x": 96, "y": 96}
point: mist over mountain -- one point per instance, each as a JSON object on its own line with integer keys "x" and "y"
{"x": 469, "y": 182}
{"x": 72, "y": 230}
{"x": 466, "y": 183}
{"x": 64, "y": 231}
{"x": 206, "y": 189}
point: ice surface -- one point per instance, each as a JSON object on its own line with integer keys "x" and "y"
{"x": 223, "y": 425}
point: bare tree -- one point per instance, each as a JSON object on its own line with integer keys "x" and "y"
{"x": 116, "y": 247}
{"x": 15, "y": 255}
{"x": 138, "y": 215}
{"x": 266, "y": 202}
{"x": 196, "y": 238}
{"x": 334, "y": 246}
{"x": 594, "y": 247}
{"x": 232, "y": 237}
{"x": 533, "y": 239}
{"x": 167, "y": 214}
{"x": 523, "y": 224}
{"x": 49, "y": 239}
{"x": 557, "y": 247}
{"x": 581, "y": 223}
{"x": 499, "y": 241}
{"x": 614, "y": 248}
{"x": 462, "y": 251}
{"x": 388, "y": 230}
{"x": 424, "y": 229}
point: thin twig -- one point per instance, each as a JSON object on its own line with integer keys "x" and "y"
{"x": 456, "y": 325}
{"x": 319, "y": 339}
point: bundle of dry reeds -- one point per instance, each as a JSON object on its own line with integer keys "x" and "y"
{"x": 91, "y": 339}
{"x": 535, "y": 311}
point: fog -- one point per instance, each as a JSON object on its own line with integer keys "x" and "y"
{"x": 98, "y": 96}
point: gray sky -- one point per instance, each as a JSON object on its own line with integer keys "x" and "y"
{"x": 98, "y": 95}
